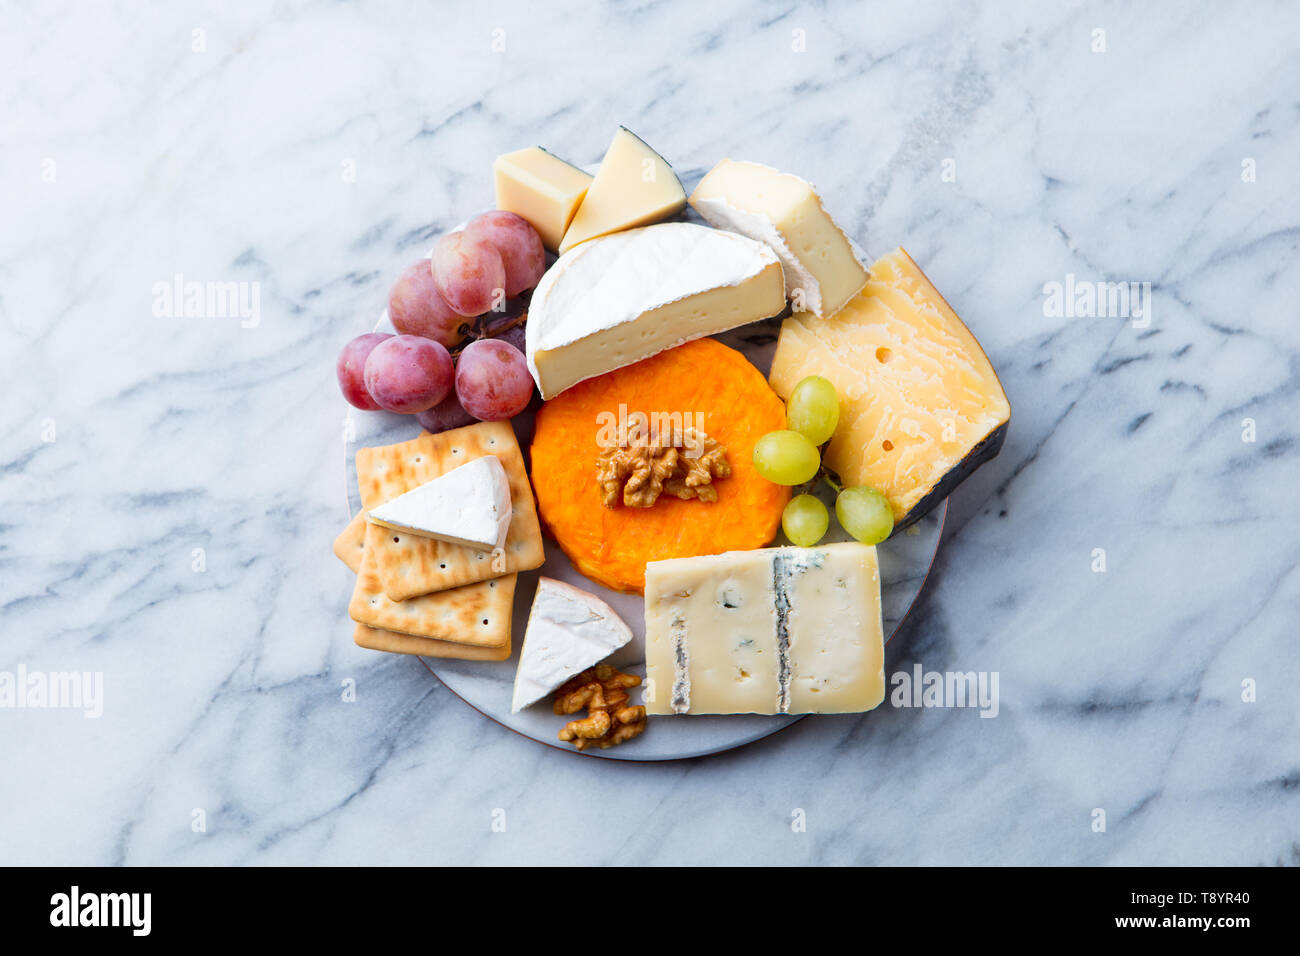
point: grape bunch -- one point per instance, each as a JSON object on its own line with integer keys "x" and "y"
{"x": 792, "y": 456}
{"x": 432, "y": 305}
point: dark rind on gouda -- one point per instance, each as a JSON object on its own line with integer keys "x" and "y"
{"x": 986, "y": 450}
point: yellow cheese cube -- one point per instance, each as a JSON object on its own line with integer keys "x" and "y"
{"x": 542, "y": 188}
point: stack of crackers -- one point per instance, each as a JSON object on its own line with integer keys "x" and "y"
{"x": 417, "y": 595}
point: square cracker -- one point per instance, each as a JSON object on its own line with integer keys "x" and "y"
{"x": 477, "y": 613}
{"x": 377, "y": 640}
{"x": 409, "y": 565}
{"x": 349, "y": 546}
{"x": 351, "y": 542}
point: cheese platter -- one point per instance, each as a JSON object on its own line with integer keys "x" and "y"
{"x": 613, "y": 525}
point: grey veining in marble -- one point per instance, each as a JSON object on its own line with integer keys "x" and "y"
{"x": 172, "y": 478}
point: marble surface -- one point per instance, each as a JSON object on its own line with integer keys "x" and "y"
{"x": 172, "y": 484}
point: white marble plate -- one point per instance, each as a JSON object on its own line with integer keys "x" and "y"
{"x": 905, "y": 561}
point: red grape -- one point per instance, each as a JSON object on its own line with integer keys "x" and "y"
{"x": 445, "y": 415}
{"x": 351, "y": 369}
{"x": 408, "y": 373}
{"x": 416, "y": 307}
{"x": 469, "y": 273}
{"x": 519, "y": 244}
{"x": 492, "y": 380}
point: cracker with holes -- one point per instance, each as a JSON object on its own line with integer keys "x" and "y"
{"x": 372, "y": 638}
{"x": 475, "y": 614}
{"x": 350, "y": 548}
{"x": 408, "y": 565}
{"x": 350, "y": 545}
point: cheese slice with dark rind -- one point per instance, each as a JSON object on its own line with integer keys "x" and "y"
{"x": 921, "y": 406}
{"x": 634, "y": 186}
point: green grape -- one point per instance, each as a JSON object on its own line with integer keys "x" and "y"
{"x": 805, "y": 520}
{"x": 865, "y": 514}
{"x": 786, "y": 458}
{"x": 813, "y": 409}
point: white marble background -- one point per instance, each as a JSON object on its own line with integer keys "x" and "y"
{"x": 133, "y": 148}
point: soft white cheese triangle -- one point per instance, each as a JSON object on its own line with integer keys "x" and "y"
{"x": 568, "y": 631}
{"x": 624, "y": 297}
{"x": 469, "y": 505}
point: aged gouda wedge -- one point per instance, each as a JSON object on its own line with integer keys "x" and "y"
{"x": 921, "y": 407}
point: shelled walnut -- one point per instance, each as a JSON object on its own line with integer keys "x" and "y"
{"x": 679, "y": 462}
{"x": 610, "y": 720}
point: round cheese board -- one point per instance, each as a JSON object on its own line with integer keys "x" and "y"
{"x": 904, "y": 560}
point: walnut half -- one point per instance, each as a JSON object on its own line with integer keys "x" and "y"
{"x": 610, "y": 720}
{"x": 656, "y": 463}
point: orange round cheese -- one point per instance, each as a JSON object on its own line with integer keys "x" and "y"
{"x": 724, "y": 396}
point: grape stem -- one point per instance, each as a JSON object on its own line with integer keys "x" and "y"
{"x": 823, "y": 474}
{"x": 489, "y": 326}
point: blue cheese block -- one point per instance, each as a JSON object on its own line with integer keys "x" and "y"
{"x": 777, "y": 631}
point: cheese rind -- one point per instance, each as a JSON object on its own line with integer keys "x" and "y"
{"x": 776, "y": 631}
{"x": 469, "y": 505}
{"x": 542, "y": 188}
{"x": 634, "y": 186}
{"x": 622, "y": 298}
{"x": 784, "y": 211}
{"x": 921, "y": 407}
{"x": 568, "y": 631}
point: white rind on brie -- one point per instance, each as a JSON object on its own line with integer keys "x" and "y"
{"x": 469, "y": 505}
{"x": 822, "y": 269}
{"x": 568, "y": 631}
{"x": 621, "y": 298}
{"x": 798, "y": 280}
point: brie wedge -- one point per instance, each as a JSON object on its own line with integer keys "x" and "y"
{"x": 568, "y": 631}
{"x": 821, "y": 271}
{"x": 469, "y": 505}
{"x": 624, "y": 297}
